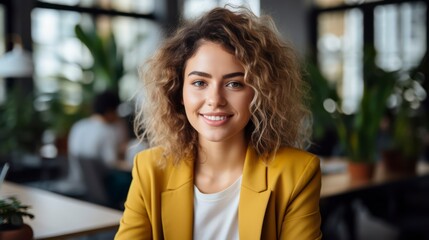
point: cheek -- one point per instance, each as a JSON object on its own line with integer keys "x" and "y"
{"x": 245, "y": 102}
{"x": 185, "y": 97}
{"x": 189, "y": 99}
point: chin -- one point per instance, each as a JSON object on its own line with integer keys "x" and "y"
{"x": 217, "y": 138}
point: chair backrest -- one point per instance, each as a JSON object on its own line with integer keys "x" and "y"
{"x": 3, "y": 173}
{"x": 94, "y": 173}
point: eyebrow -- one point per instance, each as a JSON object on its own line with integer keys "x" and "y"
{"x": 229, "y": 75}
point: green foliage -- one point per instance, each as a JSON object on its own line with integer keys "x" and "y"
{"x": 61, "y": 115}
{"x": 409, "y": 121}
{"x": 321, "y": 90}
{"x": 12, "y": 212}
{"x": 406, "y": 140}
{"x": 108, "y": 61}
{"x": 357, "y": 132}
{"x": 21, "y": 125}
{"x": 105, "y": 73}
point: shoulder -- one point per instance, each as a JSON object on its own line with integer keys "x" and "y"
{"x": 155, "y": 171}
{"x": 80, "y": 123}
{"x": 79, "y": 128}
{"x": 148, "y": 164}
{"x": 292, "y": 158}
{"x": 149, "y": 158}
{"x": 293, "y": 163}
{"x": 293, "y": 152}
{"x": 86, "y": 124}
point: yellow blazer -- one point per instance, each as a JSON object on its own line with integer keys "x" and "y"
{"x": 278, "y": 200}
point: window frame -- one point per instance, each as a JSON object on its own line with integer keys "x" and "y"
{"x": 368, "y": 20}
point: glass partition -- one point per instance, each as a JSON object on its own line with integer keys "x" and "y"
{"x": 141, "y": 6}
{"x": 193, "y": 8}
{"x": 335, "y": 3}
{"x": 400, "y": 35}
{"x": 63, "y": 62}
{"x": 340, "y": 53}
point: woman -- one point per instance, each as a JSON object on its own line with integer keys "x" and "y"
{"x": 225, "y": 109}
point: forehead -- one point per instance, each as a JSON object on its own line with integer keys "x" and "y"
{"x": 212, "y": 56}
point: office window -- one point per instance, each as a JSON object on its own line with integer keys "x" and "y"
{"x": 139, "y": 6}
{"x": 340, "y": 52}
{"x": 194, "y": 8}
{"x": 335, "y": 3}
{"x": 62, "y": 60}
{"x": 400, "y": 35}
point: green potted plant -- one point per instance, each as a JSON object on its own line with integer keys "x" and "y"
{"x": 322, "y": 92}
{"x": 406, "y": 145}
{"x": 407, "y": 122}
{"x": 358, "y": 132}
{"x": 12, "y": 226}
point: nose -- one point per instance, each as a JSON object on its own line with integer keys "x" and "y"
{"x": 215, "y": 96}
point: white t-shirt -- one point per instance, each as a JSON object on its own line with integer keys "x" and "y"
{"x": 93, "y": 139}
{"x": 216, "y": 214}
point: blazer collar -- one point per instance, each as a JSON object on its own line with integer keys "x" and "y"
{"x": 254, "y": 197}
{"x": 181, "y": 174}
{"x": 177, "y": 202}
{"x": 254, "y": 172}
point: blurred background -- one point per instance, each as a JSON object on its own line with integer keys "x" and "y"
{"x": 366, "y": 62}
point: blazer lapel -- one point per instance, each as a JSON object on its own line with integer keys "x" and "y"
{"x": 177, "y": 202}
{"x": 254, "y": 197}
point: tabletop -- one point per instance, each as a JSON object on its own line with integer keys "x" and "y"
{"x": 59, "y": 217}
{"x": 339, "y": 182}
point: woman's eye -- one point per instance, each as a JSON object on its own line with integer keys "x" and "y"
{"x": 198, "y": 83}
{"x": 234, "y": 85}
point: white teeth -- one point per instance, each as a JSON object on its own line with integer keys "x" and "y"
{"x": 215, "y": 118}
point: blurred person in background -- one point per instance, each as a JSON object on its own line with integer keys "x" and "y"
{"x": 102, "y": 137}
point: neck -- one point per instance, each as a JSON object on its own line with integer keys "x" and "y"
{"x": 222, "y": 155}
{"x": 101, "y": 118}
{"x": 98, "y": 117}
{"x": 219, "y": 164}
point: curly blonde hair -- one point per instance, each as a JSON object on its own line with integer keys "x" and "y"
{"x": 280, "y": 116}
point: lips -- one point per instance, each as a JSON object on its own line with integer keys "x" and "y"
{"x": 217, "y": 119}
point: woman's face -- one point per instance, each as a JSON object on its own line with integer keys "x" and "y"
{"x": 215, "y": 97}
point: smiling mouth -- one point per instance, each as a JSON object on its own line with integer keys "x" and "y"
{"x": 215, "y": 118}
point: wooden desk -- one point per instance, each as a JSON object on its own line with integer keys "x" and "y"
{"x": 59, "y": 217}
{"x": 340, "y": 183}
